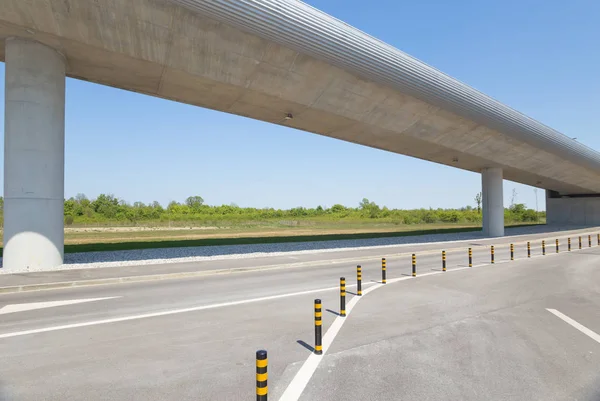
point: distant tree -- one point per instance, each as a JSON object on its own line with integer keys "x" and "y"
{"x": 478, "y": 201}
{"x": 106, "y": 205}
{"x": 337, "y": 208}
{"x": 80, "y": 197}
{"x": 194, "y": 202}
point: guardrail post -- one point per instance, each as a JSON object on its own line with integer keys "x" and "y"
{"x": 261, "y": 375}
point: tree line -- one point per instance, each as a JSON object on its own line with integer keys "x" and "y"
{"x": 107, "y": 208}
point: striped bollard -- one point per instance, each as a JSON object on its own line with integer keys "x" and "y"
{"x": 342, "y": 296}
{"x": 318, "y": 328}
{"x": 589, "y": 241}
{"x": 528, "y": 249}
{"x": 261, "y": 375}
{"x": 492, "y": 254}
{"x": 543, "y": 247}
{"x": 414, "y": 265}
{"x": 512, "y": 252}
{"x": 443, "y": 261}
{"x": 383, "y": 268}
{"x": 598, "y": 238}
{"x": 358, "y": 280}
{"x": 470, "y": 257}
{"x": 580, "y": 242}
{"x": 569, "y": 244}
{"x": 557, "y": 246}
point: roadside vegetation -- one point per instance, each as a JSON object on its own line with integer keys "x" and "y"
{"x": 108, "y": 210}
{"x": 108, "y": 223}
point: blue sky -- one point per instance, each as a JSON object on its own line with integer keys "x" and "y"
{"x": 539, "y": 57}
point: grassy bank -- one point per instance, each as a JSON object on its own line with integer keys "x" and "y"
{"x": 115, "y": 241}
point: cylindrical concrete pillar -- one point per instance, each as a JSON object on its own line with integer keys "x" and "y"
{"x": 493, "y": 202}
{"x": 34, "y": 156}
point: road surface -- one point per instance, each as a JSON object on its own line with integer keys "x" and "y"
{"x": 515, "y": 330}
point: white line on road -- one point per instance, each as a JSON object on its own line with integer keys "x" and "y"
{"x": 296, "y": 387}
{"x": 166, "y": 313}
{"x": 48, "y": 304}
{"x": 592, "y": 334}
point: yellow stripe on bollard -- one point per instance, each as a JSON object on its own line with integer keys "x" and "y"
{"x": 261, "y": 375}
{"x": 443, "y": 261}
{"x": 470, "y": 257}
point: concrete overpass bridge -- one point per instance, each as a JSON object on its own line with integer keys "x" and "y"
{"x": 280, "y": 61}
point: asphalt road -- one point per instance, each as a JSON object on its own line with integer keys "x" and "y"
{"x": 471, "y": 334}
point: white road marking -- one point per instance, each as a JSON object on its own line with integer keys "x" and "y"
{"x": 296, "y": 387}
{"x": 42, "y": 305}
{"x": 166, "y": 313}
{"x": 591, "y": 334}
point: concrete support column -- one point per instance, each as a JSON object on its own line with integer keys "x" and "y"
{"x": 34, "y": 156}
{"x": 493, "y": 202}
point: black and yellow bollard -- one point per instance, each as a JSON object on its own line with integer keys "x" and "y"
{"x": 470, "y": 257}
{"x": 589, "y": 241}
{"x": 512, "y": 252}
{"x": 342, "y": 296}
{"x": 598, "y": 238}
{"x": 383, "y": 268}
{"x": 557, "y": 246}
{"x": 261, "y": 375}
{"x": 492, "y": 254}
{"x": 358, "y": 280}
{"x": 443, "y": 261}
{"x": 528, "y": 249}
{"x": 318, "y": 328}
{"x": 543, "y": 247}
{"x": 579, "y": 242}
{"x": 569, "y": 244}
{"x": 414, "y": 265}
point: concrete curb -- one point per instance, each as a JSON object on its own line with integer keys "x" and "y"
{"x": 172, "y": 276}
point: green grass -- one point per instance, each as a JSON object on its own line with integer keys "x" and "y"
{"x": 151, "y": 244}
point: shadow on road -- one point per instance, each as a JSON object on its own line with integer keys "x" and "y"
{"x": 305, "y": 345}
{"x": 333, "y": 312}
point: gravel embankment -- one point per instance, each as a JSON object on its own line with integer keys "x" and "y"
{"x": 193, "y": 254}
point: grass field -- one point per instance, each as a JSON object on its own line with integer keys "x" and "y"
{"x": 112, "y": 239}
{"x": 91, "y": 239}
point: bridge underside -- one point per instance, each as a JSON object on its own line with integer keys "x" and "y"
{"x": 157, "y": 48}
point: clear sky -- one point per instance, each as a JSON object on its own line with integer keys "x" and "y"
{"x": 538, "y": 56}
